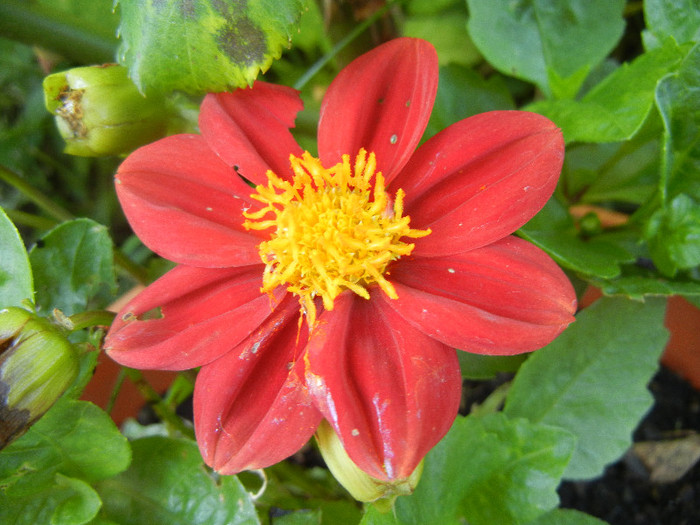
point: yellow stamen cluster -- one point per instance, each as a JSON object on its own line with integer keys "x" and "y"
{"x": 335, "y": 229}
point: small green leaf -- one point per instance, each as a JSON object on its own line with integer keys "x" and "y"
{"x": 204, "y": 46}
{"x": 594, "y": 377}
{"x": 15, "y": 273}
{"x": 566, "y": 517}
{"x": 553, "y": 230}
{"x": 677, "y": 18}
{"x": 616, "y": 108}
{"x": 487, "y": 470}
{"x": 540, "y": 41}
{"x": 79, "y": 508}
{"x": 168, "y": 483}
{"x": 73, "y": 267}
{"x": 74, "y": 438}
{"x": 673, "y": 233}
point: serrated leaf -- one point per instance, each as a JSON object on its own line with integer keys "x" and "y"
{"x": 616, "y": 108}
{"x": 594, "y": 377}
{"x": 205, "y": 46}
{"x": 678, "y": 97}
{"x": 487, "y": 470}
{"x": 553, "y": 230}
{"x": 677, "y": 18}
{"x": 168, "y": 483}
{"x": 73, "y": 267}
{"x": 541, "y": 41}
{"x": 638, "y": 286}
{"x": 673, "y": 234}
{"x": 15, "y": 273}
{"x": 74, "y": 438}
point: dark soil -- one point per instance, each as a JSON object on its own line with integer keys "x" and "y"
{"x": 625, "y": 494}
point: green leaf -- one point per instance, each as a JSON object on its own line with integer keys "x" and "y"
{"x": 447, "y": 31}
{"x": 168, "y": 484}
{"x": 205, "y": 46}
{"x": 83, "y": 31}
{"x": 67, "y": 501}
{"x": 648, "y": 283}
{"x": 552, "y": 44}
{"x": 622, "y": 172}
{"x": 673, "y": 233}
{"x": 616, "y": 108}
{"x": 73, "y": 267}
{"x": 488, "y": 470}
{"x": 592, "y": 379}
{"x": 677, "y": 18}
{"x": 462, "y": 93}
{"x": 79, "y": 508}
{"x": 678, "y": 99}
{"x": 476, "y": 366}
{"x": 15, "y": 273}
{"x": 567, "y": 517}
{"x": 74, "y": 438}
{"x": 553, "y": 230}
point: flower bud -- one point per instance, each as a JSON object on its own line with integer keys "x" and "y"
{"x": 99, "y": 111}
{"x": 359, "y": 484}
{"x": 37, "y": 364}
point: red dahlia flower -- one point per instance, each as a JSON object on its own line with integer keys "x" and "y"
{"x": 339, "y": 287}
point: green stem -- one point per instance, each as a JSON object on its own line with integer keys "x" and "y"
{"x": 31, "y": 220}
{"x": 359, "y": 29}
{"x": 115, "y": 391}
{"x": 36, "y": 23}
{"x": 57, "y": 212}
{"x": 91, "y": 319}
{"x": 60, "y": 214}
{"x": 162, "y": 410}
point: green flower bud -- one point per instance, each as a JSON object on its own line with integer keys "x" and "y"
{"x": 99, "y": 111}
{"x": 37, "y": 364}
{"x": 359, "y": 484}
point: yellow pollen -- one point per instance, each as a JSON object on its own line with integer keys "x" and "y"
{"x": 335, "y": 229}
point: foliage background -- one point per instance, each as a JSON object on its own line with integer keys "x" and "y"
{"x": 620, "y": 78}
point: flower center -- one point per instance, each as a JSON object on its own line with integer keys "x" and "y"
{"x": 335, "y": 229}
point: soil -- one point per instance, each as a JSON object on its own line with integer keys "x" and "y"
{"x": 626, "y": 494}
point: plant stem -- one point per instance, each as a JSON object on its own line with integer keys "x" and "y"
{"x": 162, "y": 410}
{"x": 31, "y": 220}
{"x": 359, "y": 29}
{"x": 57, "y": 212}
{"x": 36, "y": 23}
{"x": 60, "y": 214}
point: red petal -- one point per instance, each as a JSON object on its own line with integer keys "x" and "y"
{"x": 389, "y": 391}
{"x": 481, "y": 179}
{"x": 249, "y": 128}
{"x": 186, "y": 205}
{"x": 381, "y": 102}
{"x": 502, "y": 299}
{"x": 251, "y": 407}
{"x": 204, "y": 313}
